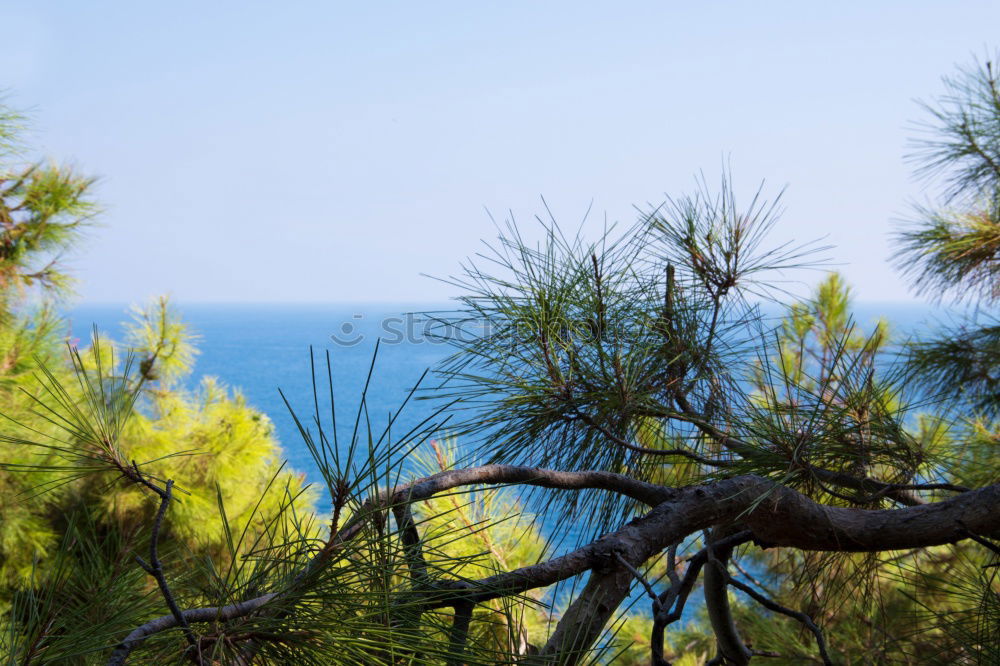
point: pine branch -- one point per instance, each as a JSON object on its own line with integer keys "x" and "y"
{"x": 796, "y": 615}
{"x": 155, "y": 568}
{"x": 775, "y": 515}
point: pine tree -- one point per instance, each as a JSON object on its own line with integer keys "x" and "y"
{"x": 953, "y": 251}
{"x": 820, "y": 502}
{"x": 44, "y": 210}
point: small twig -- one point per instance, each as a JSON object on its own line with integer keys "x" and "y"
{"x": 659, "y": 618}
{"x": 676, "y": 596}
{"x": 642, "y": 449}
{"x": 642, "y": 579}
{"x": 601, "y": 323}
{"x": 155, "y": 568}
{"x": 672, "y": 564}
{"x": 978, "y": 539}
{"x": 668, "y": 299}
{"x": 343, "y": 493}
{"x": 794, "y": 614}
{"x": 750, "y": 577}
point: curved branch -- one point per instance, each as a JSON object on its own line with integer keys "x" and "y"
{"x": 214, "y": 614}
{"x": 677, "y": 594}
{"x": 421, "y": 489}
{"x": 776, "y": 515}
{"x": 418, "y": 490}
{"x": 690, "y": 455}
{"x": 794, "y": 614}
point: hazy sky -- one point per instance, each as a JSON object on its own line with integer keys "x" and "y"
{"x": 329, "y": 151}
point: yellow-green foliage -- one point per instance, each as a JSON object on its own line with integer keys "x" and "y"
{"x": 816, "y": 333}
{"x": 480, "y": 534}
{"x": 210, "y": 441}
{"x": 26, "y": 528}
{"x": 225, "y": 444}
{"x": 161, "y": 339}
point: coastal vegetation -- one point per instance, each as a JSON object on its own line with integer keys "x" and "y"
{"x": 626, "y": 460}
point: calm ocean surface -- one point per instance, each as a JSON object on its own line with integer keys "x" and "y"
{"x": 261, "y": 348}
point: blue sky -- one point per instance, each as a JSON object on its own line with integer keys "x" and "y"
{"x": 327, "y": 151}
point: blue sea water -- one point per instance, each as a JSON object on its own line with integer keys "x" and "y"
{"x": 261, "y": 348}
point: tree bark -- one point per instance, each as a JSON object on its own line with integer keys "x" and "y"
{"x": 776, "y": 515}
{"x": 585, "y": 619}
{"x": 715, "y": 585}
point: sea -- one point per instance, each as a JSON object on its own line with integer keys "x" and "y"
{"x": 265, "y": 350}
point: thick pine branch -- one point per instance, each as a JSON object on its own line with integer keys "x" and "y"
{"x": 775, "y": 515}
